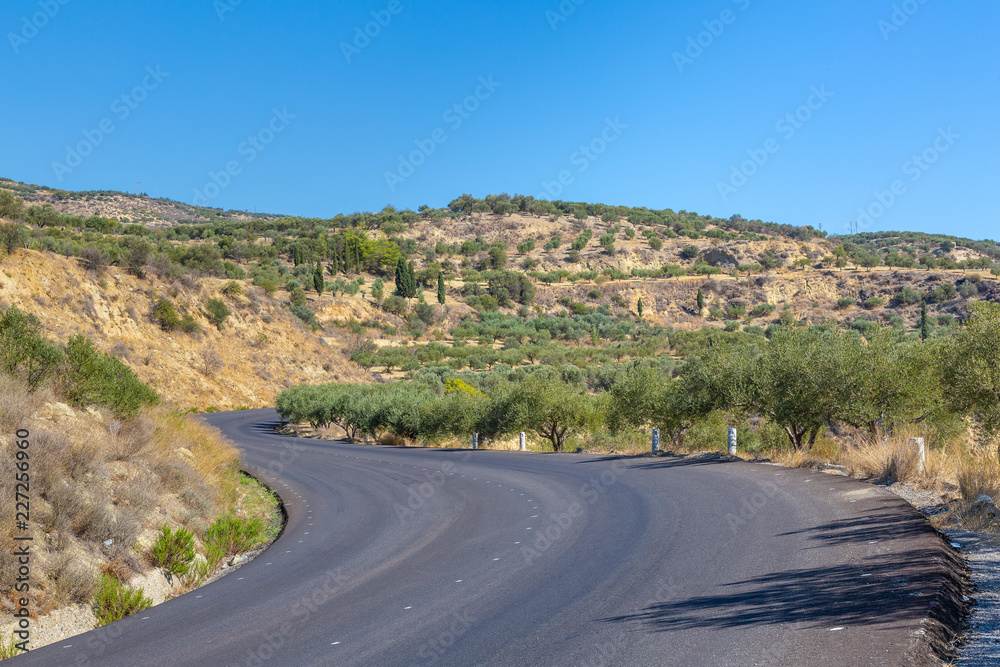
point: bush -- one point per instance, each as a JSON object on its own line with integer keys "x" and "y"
{"x": 93, "y": 377}
{"x": 24, "y": 352}
{"x": 689, "y": 252}
{"x": 845, "y": 302}
{"x": 874, "y": 302}
{"x": 395, "y": 305}
{"x": 762, "y": 310}
{"x": 232, "y": 288}
{"x": 218, "y": 311}
{"x": 303, "y": 313}
{"x": 114, "y": 601}
{"x": 166, "y": 315}
{"x": 425, "y": 312}
{"x": 232, "y": 535}
{"x": 174, "y": 551}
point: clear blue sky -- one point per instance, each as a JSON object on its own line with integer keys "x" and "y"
{"x": 673, "y": 129}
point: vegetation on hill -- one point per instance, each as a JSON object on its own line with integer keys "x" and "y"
{"x": 107, "y": 468}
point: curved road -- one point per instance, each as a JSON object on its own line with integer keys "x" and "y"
{"x": 406, "y": 557}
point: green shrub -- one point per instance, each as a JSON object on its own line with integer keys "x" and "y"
{"x": 874, "y": 302}
{"x": 395, "y": 305}
{"x": 297, "y": 296}
{"x": 425, "y": 312}
{"x": 174, "y": 551}
{"x": 303, "y": 313}
{"x": 232, "y": 535}
{"x": 114, "y": 601}
{"x": 845, "y": 302}
{"x": 24, "y": 352}
{"x": 93, "y": 377}
{"x": 218, "y": 311}
{"x": 762, "y": 310}
{"x": 166, "y": 315}
{"x": 232, "y": 288}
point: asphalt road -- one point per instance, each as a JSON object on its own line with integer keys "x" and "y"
{"x": 398, "y": 556}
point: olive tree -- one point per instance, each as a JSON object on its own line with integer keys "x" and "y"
{"x": 971, "y": 369}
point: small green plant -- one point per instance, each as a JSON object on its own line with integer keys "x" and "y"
{"x": 114, "y": 601}
{"x": 199, "y": 571}
{"x": 232, "y": 288}
{"x": 233, "y": 535}
{"x": 174, "y": 550}
{"x": 8, "y": 649}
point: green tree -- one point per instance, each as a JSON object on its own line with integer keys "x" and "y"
{"x": 93, "y": 377}
{"x": 24, "y": 351}
{"x": 11, "y": 206}
{"x": 971, "y": 369}
{"x": 888, "y": 382}
{"x": 700, "y": 301}
{"x": 638, "y": 306}
{"x": 546, "y": 406}
{"x": 13, "y": 235}
{"x": 378, "y": 288}
{"x": 441, "y": 292}
{"x": 319, "y": 284}
{"x": 796, "y": 383}
{"x": 925, "y": 325}
{"x": 643, "y": 396}
{"x": 218, "y": 312}
{"x": 406, "y": 281}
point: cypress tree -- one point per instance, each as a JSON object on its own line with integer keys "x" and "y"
{"x": 401, "y": 277}
{"x": 925, "y": 329}
{"x": 639, "y": 306}
{"x": 701, "y": 301}
{"x": 318, "y": 283}
{"x": 440, "y": 288}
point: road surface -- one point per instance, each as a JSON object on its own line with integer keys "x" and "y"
{"x": 396, "y": 556}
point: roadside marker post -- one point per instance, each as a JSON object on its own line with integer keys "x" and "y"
{"x": 732, "y": 442}
{"x": 475, "y": 441}
{"x": 656, "y": 440}
{"x": 524, "y": 447}
{"x": 918, "y": 444}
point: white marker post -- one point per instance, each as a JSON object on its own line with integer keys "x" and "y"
{"x": 732, "y": 442}
{"x": 656, "y": 440}
{"x": 918, "y": 444}
{"x": 475, "y": 441}
{"x": 524, "y": 446}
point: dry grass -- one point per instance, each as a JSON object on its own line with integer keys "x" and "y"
{"x": 979, "y": 474}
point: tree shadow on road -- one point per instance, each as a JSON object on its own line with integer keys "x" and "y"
{"x": 880, "y": 589}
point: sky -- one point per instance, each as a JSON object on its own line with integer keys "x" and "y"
{"x": 881, "y": 112}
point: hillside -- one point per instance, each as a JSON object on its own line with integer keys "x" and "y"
{"x": 515, "y": 271}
